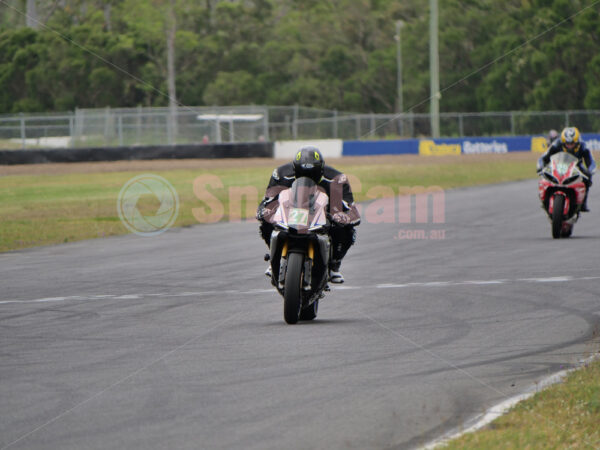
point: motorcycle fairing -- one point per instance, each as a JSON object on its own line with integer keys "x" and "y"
{"x": 303, "y": 207}
{"x": 562, "y": 175}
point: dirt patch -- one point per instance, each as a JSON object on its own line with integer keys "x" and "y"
{"x": 204, "y": 164}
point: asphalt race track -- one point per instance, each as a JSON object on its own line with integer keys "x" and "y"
{"x": 177, "y": 341}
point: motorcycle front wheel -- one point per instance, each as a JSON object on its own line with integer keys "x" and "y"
{"x": 292, "y": 298}
{"x": 557, "y": 215}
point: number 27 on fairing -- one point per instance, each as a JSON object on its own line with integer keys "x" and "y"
{"x": 298, "y": 217}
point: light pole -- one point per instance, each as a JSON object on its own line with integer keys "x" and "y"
{"x": 434, "y": 69}
{"x": 399, "y": 104}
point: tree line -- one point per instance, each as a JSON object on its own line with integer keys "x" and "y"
{"x": 56, "y": 55}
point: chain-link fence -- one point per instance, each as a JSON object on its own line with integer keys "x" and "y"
{"x": 188, "y": 125}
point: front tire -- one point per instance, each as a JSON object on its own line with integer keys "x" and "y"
{"x": 292, "y": 298}
{"x": 557, "y": 215}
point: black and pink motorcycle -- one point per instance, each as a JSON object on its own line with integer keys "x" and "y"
{"x": 562, "y": 191}
{"x": 300, "y": 249}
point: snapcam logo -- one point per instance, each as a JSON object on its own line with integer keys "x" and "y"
{"x": 148, "y": 205}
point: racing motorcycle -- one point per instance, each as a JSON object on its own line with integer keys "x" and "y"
{"x": 300, "y": 249}
{"x": 562, "y": 191}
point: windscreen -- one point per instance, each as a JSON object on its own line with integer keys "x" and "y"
{"x": 563, "y": 161}
{"x": 303, "y": 197}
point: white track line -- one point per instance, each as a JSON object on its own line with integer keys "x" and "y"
{"x": 137, "y": 296}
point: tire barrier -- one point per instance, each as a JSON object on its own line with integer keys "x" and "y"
{"x": 207, "y": 151}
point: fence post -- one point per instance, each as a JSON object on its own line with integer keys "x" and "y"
{"x": 288, "y": 128}
{"x": 461, "y": 127}
{"x": 357, "y": 126}
{"x": 335, "y": 124}
{"x": 512, "y": 123}
{"x": 22, "y": 131}
{"x": 169, "y": 123}
{"x": 295, "y": 123}
{"x": 120, "y": 125}
{"x": 372, "y": 124}
{"x": 106, "y": 117}
{"x": 266, "y": 124}
{"x": 71, "y": 129}
{"x": 218, "y": 129}
{"x": 399, "y": 124}
{"x": 566, "y": 119}
{"x": 138, "y": 123}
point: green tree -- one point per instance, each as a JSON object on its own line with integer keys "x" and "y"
{"x": 231, "y": 88}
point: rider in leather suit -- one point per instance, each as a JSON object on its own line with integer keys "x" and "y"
{"x": 570, "y": 142}
{"x": 343, "y": 213}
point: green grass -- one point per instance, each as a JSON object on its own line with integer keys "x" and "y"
{"x": 446, "y": 176}
{"x": 51, "y": 209}
{"x": 566, "y": 415}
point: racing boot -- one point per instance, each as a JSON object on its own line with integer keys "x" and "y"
{"x": 335, "y": 276}
{"x": 584, "y": 207}
{"x": 268, "y": 271}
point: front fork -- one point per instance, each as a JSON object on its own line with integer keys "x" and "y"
{"x": 308, "y": 264}
{"x": 566, "y": 207}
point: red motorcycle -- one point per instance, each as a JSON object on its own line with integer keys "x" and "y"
{"x": 562, "y": 191}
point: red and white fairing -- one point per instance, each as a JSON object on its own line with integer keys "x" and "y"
{"x": 564, "y": 173}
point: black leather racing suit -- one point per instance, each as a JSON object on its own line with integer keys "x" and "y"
{"x": 336, "y": 186}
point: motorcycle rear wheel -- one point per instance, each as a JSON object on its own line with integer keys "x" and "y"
{"x": 310, "y": 313}
{"x": 557, "y": 215}
{"x": 292, "y": 298}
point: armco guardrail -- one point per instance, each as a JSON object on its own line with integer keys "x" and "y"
{"x": 208, "y": 151}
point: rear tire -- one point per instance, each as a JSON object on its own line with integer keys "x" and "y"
{"x": 292, "y": 298}
{"x": 557, "y": 215}
{"x": 311, "y": 312}
{"x": 566, "y": 234}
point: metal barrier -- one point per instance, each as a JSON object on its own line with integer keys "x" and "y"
{"x": 110, "y": 127}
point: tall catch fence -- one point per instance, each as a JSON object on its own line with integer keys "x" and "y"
{"x": 110, "y": 127}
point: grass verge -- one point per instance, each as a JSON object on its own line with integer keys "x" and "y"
{"x": 41, "y": 209}
{"x": 565, "y": 415}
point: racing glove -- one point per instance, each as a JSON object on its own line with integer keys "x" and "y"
{"x": 261, "y": 212}
{"x": 341, "y": 218}
{"x": 586, "y": 172}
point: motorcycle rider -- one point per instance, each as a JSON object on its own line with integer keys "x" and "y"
{"x": 570, "y": 142}
{"x": 309, "y": 162}
{"x": 552, "y": 136}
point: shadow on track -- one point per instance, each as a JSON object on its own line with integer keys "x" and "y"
{"x": 323, "y": 322}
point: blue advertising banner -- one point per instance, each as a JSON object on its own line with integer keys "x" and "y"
{"x": 365, "y": 148}
{"x": 456, "y": 146}
{"x": 592, "y": 141}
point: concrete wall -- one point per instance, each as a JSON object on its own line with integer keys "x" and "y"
{"x": 330, "y": 148}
